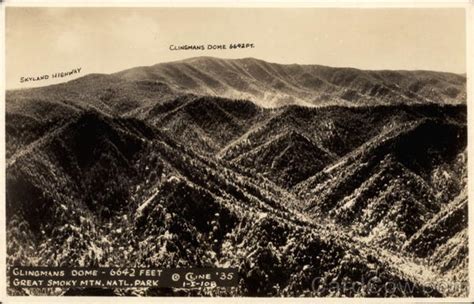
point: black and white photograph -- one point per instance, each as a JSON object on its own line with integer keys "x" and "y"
{"x": 236, "y": 152}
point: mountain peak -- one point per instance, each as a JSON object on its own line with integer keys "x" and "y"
{"x": 269, "y": 85}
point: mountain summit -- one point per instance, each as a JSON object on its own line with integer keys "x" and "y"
{"x": 286, "y": 172}
{"x": 267, "y": 84}
{"x": 273, "y": 85}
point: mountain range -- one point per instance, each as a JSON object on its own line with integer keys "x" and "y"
{"x": 287, "y": 172}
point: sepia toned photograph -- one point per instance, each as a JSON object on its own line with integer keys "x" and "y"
{"x": 236, "y": 152}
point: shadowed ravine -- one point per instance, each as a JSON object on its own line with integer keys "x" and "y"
{"x": 301, "y": 176}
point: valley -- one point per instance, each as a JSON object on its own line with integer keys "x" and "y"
{"x": 308, "y": 179}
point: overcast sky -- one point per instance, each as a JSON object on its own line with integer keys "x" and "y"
{"x": 43, "y": 41}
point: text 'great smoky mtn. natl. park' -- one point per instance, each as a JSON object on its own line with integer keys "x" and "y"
{"x": 304, "y": 177}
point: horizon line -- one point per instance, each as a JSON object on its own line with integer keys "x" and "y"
{"x": 463, "y": 74}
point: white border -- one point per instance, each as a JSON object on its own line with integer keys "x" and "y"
{"x": 468, "y": 5}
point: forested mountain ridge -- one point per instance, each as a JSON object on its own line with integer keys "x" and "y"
{"x": 158, "y": 167}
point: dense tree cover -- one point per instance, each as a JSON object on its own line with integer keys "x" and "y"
{"x": 298, "y": 215}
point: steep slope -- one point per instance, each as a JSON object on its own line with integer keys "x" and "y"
{"x": 24, "y": 123}
{"x": 32, "y": 113}
{"x": 388, "y": 189}
{"x": 450, "y": 221}
{"x": 175, "y": 208}
{"x": 338, "y": 130}
{"x": 287, "y": 159}
{"x": 206, "y": 124}
{"x": 443, "y": 242}
{"x": 212, "y": 162}
{"x": 89, "y": 159}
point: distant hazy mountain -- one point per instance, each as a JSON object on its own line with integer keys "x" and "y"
{"x": 211, "y": 162}
{"x": 272, "y": 85}
{"x": 266, "y": 84}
